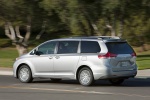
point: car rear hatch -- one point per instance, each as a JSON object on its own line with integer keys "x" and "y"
{"x": 121, "y": 55}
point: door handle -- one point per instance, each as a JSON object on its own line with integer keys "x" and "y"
{"x": 57, "y": 57}
{"x": 50, "y": 57}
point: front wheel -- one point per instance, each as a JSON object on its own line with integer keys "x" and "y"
{"x": 116, "y": 81}
{"x": 24, "y": 74}
{"x": 85, "y": 77}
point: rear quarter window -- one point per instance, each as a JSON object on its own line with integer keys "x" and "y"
{"x": 90, "y": 47}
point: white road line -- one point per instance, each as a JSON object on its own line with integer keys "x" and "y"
{"x": 76, "y": 91}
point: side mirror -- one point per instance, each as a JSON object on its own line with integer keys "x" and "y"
{"x": 34, "y": 51}
{"x": 38, "y": 53}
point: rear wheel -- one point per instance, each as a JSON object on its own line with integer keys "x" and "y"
{"x": 116, "y": 81}
{"x": 24, "y": 74}
{"x": 85, "y": 77}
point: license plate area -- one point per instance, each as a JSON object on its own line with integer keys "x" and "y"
{"x": 124, "y": 64}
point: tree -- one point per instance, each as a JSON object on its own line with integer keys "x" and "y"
{"x": 124, "y": 18}
{"x": 138, "y": 22}
{"x": 13, "y": 20}
{"x": 77, "y": 15}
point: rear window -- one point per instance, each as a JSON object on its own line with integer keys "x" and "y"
{"x": 119, "y": 48}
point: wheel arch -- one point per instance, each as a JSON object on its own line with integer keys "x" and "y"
{"x": 82, "y": 66}
{"x": 20, "y": 66}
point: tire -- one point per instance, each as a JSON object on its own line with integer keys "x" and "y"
{"x": 116, "y": 81}
{"x": 55, "y": 79}
{"x": 85, "y": 77}
{"x": 25, "y": 74}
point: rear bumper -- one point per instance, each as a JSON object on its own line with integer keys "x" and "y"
{"x": 107, "y": 73}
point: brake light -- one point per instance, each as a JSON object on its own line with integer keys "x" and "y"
{"x": 133, "y": 54}
{"x": 107, "y": 55}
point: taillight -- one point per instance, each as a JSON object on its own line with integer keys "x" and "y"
{"x": 133, "y": 54}
{"x": 107, "y": 55}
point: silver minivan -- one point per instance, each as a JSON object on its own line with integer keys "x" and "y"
{"x": 85, "y": 59}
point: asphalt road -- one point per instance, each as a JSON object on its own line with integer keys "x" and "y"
{"x": 44, "y": 89}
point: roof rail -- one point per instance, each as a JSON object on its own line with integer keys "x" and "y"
{"x": 97, "y": 37}
{"x": 107, "y": 37}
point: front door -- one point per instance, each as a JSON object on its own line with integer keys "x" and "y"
{"x": 43, "y": 63}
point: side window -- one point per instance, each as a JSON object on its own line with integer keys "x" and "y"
{"x": 90, "y": 47}
{"x": 47, "y": 48}
{"x": 68, "y": 47}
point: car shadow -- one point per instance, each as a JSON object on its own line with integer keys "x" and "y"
{"x": 132, "y": 82}
{"x": 51, "y": 82}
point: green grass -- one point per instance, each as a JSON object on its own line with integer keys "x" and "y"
{"x": 143, "y": 61}
{"x": 8, "y": 56}
{"x": 8, "y": 53}
{"x": 6, "y": 62}
{"x": 143, "y": 58}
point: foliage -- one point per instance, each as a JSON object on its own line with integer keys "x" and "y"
{"x": 126, "y": 18}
